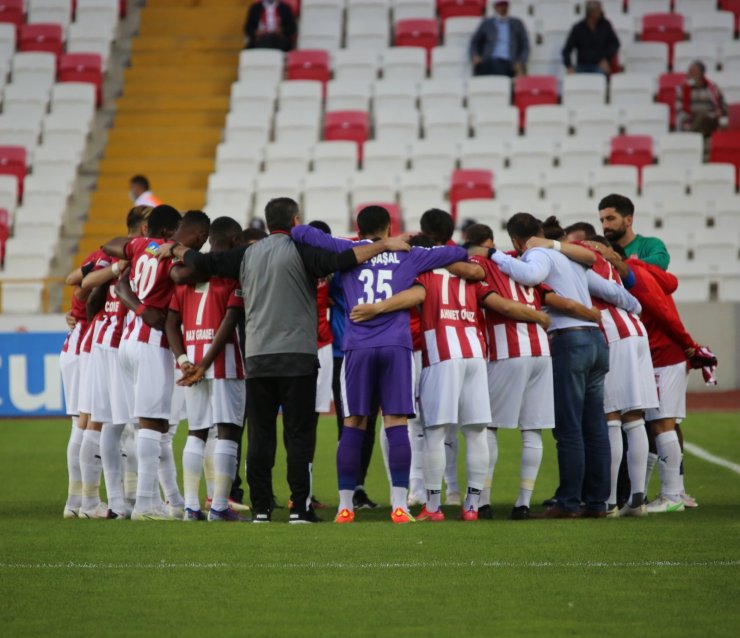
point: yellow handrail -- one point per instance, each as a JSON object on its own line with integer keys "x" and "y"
{"x": 46, "y": 281}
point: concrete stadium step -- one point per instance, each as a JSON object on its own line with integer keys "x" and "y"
{"x": 179, "y": 180}
{"x": 209, "y": 87}
{"x": 114, "y": 205}
{"x": 156, "y": 166}
{"x": 187, "y": 43}
{"x": 134, "y": 120}
{"x": 134, "y": 104}
{"x": 177, "y": 73}
{"x": 173, "y": 58}
{"x": 203, "y": 22}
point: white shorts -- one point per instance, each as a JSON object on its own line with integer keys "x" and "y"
{"x": 453, "y": 392}
{"x": 215, "y": 401}
{"x": 108, "y": 397}
{"x": 84, "y": 398}
{"x": 672, "y": 382}
{"x": 149, "y": 379}
{"x": 325, "y": 379}
{"x": 521, "y": 393}
{"x": 630, "y": 383}
{"x": 69, "y": 365}
{"x": 178, "y": 411}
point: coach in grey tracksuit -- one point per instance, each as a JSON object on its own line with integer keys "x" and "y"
{"x": 500, "y": 44}
{"x": 278, "y": 280}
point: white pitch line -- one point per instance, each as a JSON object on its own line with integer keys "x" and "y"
{"x": 711, "y": 458}
{"x": 382, "y": 565}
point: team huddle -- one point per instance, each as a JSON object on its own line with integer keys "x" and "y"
{"x": 573, "y": 332}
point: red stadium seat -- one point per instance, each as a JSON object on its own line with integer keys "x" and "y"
{"x": 13, "y": 162}
{"x": 12, "y": 11}
{"x": 733, "y": 6}
{"x": 417, "y": 33}
{"x": 534, "y": 89}
{"x": 295, "y": 6}
{"x": 663, "y": 27}
{"x": 470, "y": 184}
{"x": 41, "y": 37}
{"x": 353, "y": 126}
{"x": 393, "y": 210}
{"x": 308, "y": 64}
{"x": 632, "y": 150}
{"x": 733, "y": 122}
{"x": 668, "y": 86}
{"x": 452, "y": 8}
{"x": 4, "y": 233}
{"x": 82, "y": 67}
{"x": 725, "y": 148}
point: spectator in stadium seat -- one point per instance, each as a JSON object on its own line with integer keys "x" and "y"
{"x": 500, "y": 45}
{"x": 595, "y": 43}
{"x": 270, "y": 25}
{"x": 699, "y": 102}
{"x": 140, "y": 192}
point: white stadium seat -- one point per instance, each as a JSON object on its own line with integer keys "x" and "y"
{"x": 389, "y": 155}
{"x": 629, "y": 88}
{"x": 645, "y": 57}
{"x": 261, "y": 66}
{"x": 531, "y": 155}
{"x": 600, "y": 122}
{"x": 449, "y": 62}
{"x": 358, "y": 65}
{"x": 547, "y": 122}
{"x": 335, "y": 156}
{"x": 679, "y": 149}
{"x": 488, "y": 92}
{"x": 563, "y": 184}
{"x": 372, "y": 186}
{"x": 407, "y": 64}
{"x": 584, "y": 88}
{"x": 238, "y": 158}
{"x": 482, "y": 153}
{"x": 434, "y": 154}
{"x": 446, "y": 92}
{"x": 391, "y": 124}
{"x": 581, "y": 153}
{"x": 614, "y": 179}
{"x": 647, "y": 119}
{"x": 394, "y": 94}
{"x": 684, "y": 53}
{"x": 347, "y": 95}
{"x": 448, "y": 124}
{"x": 408, "y": 9}
{"x": 496, "y": 123}
{"x": 663, "y": 182}
{"x": 325, "y": 198}
{"x": 713, "y": 26}
{"x": 712, "y": 180}
{"x": 287, "y": 157}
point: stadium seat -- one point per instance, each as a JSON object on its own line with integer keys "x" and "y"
{"x": 34, "y": 67}
{"x": 11, "y": 12}
{"x": 369, "y": 185}
{"x": 337, "y": 157}
{"x": 647, "y": 119}
{"x": 407, "y": 64}
{"x": 287, "y": 157}
{"x": 459, "y": 30}
{"x": 407, "y": 9}
{"x": 716, "y": 252}
{"x": 668, "y": 87}
{"x": 548, "y": 122}
{"x": 544, "y": 58}
{"x": 451, "y": 8}
{"x": 98, "y": 11}
{"x": 625, "y": 26}
{"x": 445, "y": 93}
{"x": 50, "y": 11}
{"x": 13, "y": 162}
{"x": 449, "y": 62}
{"x": 600, "y": 122}
{"x": 267, "y": 186}
{"x": 733, "y": 117}
{"x": 394, "y": 94}
{"x": 9, "y": 185}
{"x": 730, "y": 56}
{"x": 582, "y": 153}
{"x": 422, "y": 33}
{"x": 733, "y": 6}
{"x": 614, "y": 179}
{"x": 584, "y": 88}
{"x": 82, "y": 67}
{"x": 631, "y": 150}
{"x": 4, "y": 233}
{"x": 516, "y": 187}
{"x": 533, "y": 89}
{"x": 348, "y": 95}
{"x": 25, "y": 98}
{"x": 730, "y": 83}
{"x": 325, "y": 197}
{"x": 367, "y": 34}
{"x": 368, "y": 10}
{"x": 712, "y": 180}
{"x": 434, "y": 154}
{"x": 231, "y": 195}
{"x": 680, "y": 150}
{"x": 299, "y": 126}
{"x": 81, "y": 38}
{"x": 723, "y": 211}
{"x": 418, "y": 192}
{"x": 692, "y": 7}
{"x": 41, "y": 37}
{"x": 531, "y": 155}
{"x": 684, "y": 53}
{"x": 65, "y": 128}
{"x": 386, "y": 155}
{"x": 565, "y": 184}
{"x": 715, "y": 26}
{"x": 484, "y": 211}
{"x": 359, "y": 65}
{"x": 639, "y": 8}
{"x": 249, "y": 129}
{"x": 663, "y": 183}
{"x": 393, "y": 209}
{"x": 400, "y": 125}
{"x": 496, "y": 123}
{"x": 663, "y": 27}
{"x": 645, "y": 57}
{"x": 351, "y": 126}
{"x": 729, "y": 287}
{"x": 307, "y": 65}
{"x": 247, "y": 97}
{"x": 487, "y": 92}
{"x": 685, "y": 215}
{"x": 469, "y": 184}
{"x": 631, "y": 88}
{"x": 321, "y": 26}
{"x": 448, "y": 124}
{"x": 481, "y": 153}
{"x": 725, "y": 148}
{"x": 238, "y": 158}
{"x": 261, "y": 66}
{"x": 300, "y": 95}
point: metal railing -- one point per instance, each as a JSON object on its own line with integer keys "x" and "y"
{"x": 50, "y": 285}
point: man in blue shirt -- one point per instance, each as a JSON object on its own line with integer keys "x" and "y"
{"x": 500, "y": 45}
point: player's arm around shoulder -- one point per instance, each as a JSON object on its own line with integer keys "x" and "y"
{"x": 116, "y": 247}
{"x": 403, "y": 300}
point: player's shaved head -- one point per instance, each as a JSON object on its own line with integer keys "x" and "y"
{"x": 373, "y": 221}
{"x": 478, "y": 234}
{"x": 163, "y": 221}
{"x": 225, "y": 233}
{"x": 281, "y": 213}
{"x": 322, "y": 226}
{"x": 438, "y": 225}
{"x": 194, "y": 229}
{"x": 136, "y": 218}
{"x": 552, "y": 228}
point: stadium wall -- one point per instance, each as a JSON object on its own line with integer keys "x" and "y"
{"x": 31, "y": 385}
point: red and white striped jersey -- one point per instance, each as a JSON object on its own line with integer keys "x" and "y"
{"x": 86, "y": 340}
{"x": 508, "y": 338}
{"x": 616, "y": 323}
{"x": 325, "y": 336}
{"x": 151, "y": 283}
{"x": 415, "y": 324}
{"x": 202, "y": 308}
{"x": 449, "y": 317}
{"x": 111, "y": 320}
{"x": 74, "y": 338}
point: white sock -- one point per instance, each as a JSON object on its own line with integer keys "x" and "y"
{"x": 399, "y": 497}
{"x": 637, "y": 455}
{"x": 110, "y": 453}
{"x": 416, "y": 440}
{"x": 208, "y": 469}
{"x": 434, "y": 465}
{"x": 130, "y": 463}
{"x": 669, "y": 457}
{"x": 224, "y": 465}
{"x": 451, "y": 445}
{"x": 74, "y": 488}
{"x": 192, "y": 468}
{"x": 652, "y": 459}
{"x": 148, "y": 444}
{"x": 476, "y": 463}
{"x": 345, "y": 500}
{"x": 617, "y": 448}
{"x": 492, "y": 442}
{"x": 529, "y": 466}
{"x": 168, "y": 471}
{"x": 91, "y": 466}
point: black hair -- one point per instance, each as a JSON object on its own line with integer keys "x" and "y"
{"x": 438, "y": 225}
{"x": 250, "y": 235}
{"x": 619, "y": 250}
{"x": 421, "y": 240}
{"x": 224, "y": 230}
{"x": 600, "y": 239}
{"x": 196, "y": 219}
{"x": 373, "y": 221}
{"x": 279, "y": 213}
{"x": 476, "y": 234}
{"x": 322, "y": 226}
{"x": 136, "y": 217}
{"x": 140, "y": 180}
{"x": 163, "y": 218}
{"x": 522, "y": 226}
{"x": 623, "y": 205}
{"x": 584, "y": 226}
{"x": 702, "y": 67}
{"x": 552, "y": 229}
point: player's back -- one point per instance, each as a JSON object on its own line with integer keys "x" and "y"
{"x": 149, "y": 276}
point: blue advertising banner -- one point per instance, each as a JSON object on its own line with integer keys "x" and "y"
{"x": 30, "y": 381}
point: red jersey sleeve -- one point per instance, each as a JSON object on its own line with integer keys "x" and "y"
{"x": 175, "y": 302}
{"x": 236, "y": 298}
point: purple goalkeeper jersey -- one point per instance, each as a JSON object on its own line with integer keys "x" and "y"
{"x": 376, "y": 280}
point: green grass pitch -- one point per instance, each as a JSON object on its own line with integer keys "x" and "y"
{"x": 667, "y": 575}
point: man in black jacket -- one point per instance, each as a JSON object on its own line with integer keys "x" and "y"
{"x": 270, "y": 25}
{"x": 595, "y": 42}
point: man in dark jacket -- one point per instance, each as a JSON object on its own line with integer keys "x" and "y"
{"x": 595, "y": 42}
{"x": 500, "y": 45}
{"x": 270, "y": 25}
